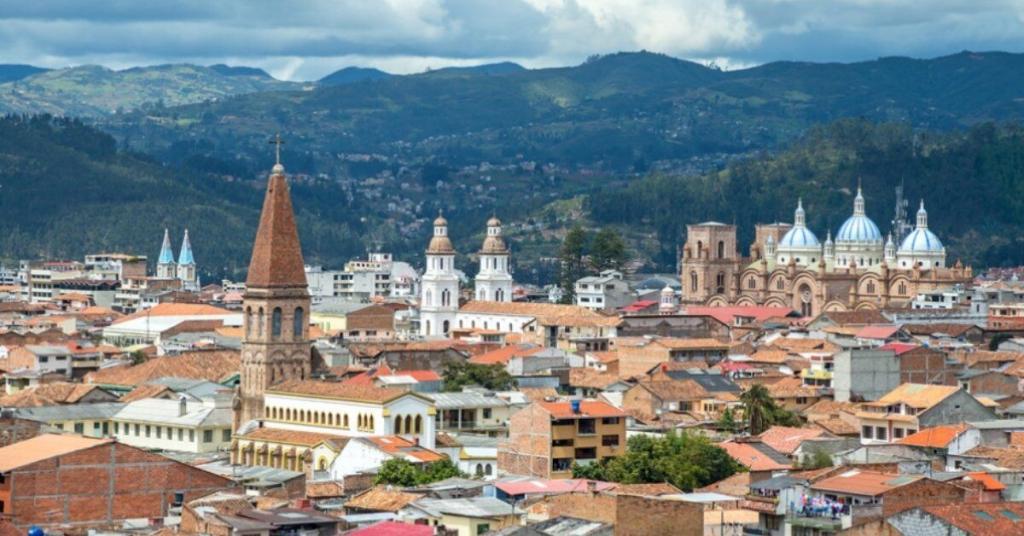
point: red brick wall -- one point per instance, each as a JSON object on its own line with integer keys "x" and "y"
{"x": 996, "y": 383}
{"x": 924, "y": 365}
{"x": 102, "y": 484}
{"x": 632, "y": 515}
{"x": 527, "y": 451}
{"x": 924, "y": 492}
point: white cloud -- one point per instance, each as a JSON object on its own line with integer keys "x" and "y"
{"x": 306, "y": 39}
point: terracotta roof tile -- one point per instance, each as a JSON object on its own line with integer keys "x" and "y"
{"x": 382, "y": 499}
{"x": 147, "y": 390}
{"x": 770, "y": 355}
{"x": 935, "y": 437}
{"x": 787, "y": 439}
{"x": 293, "y": 437}
{"x": 399, "y": 446}
{"x": 588, "y": 408}
{"x": 916, "y": 395}
{"x": 591, "y": 378}
{"x": 790, "y": 387}
{"x": 504, "y": 354}
{"x": 856, "y": 482}
{"x": 344, "y": 391}
{"x": 863, "y": 317}
{"x": 276, "y": 253}
{"x": 534, "y": 394}
{"x": 805, "y": 345}
{"x": 1011, "y": 457}
{"x": 753, "y": 458}
{"x": 43, "y": 447}
{"x": 47, "y": 394}
{"x": 648, "y": 490}
{"x": 994, "y": 521}
{"x": 214, "y": 366}
{"x": 545, "y": 313}
{"x": 953, "y": 330}
{"x": 676, "y": 390}
{"x": 175, "y": 309}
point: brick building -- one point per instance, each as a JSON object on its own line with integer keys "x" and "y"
{"x": 546, "y": 438}
{"x": 630, "y": 514}
{"x": 80, "y": 482}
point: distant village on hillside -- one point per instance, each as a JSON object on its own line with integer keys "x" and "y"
{"x": 859, "y": 385}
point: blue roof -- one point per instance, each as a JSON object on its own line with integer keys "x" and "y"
{"x": 921, "y": 240}
{"x": 166, "y": 255}
{"x": 858, "y": 228}
{"x": 799, "y": 237}
{"x": 186, "y": 251}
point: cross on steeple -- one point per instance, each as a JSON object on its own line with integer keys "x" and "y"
{"x": 278, "y": 142}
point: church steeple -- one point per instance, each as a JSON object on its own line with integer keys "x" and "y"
{"x": 187, "y": 265}
{"x": 275, "y": 339}
{"x": 858, "y": 202}
{"x": 185, "y": 257}
{"x": 165, "y": 268}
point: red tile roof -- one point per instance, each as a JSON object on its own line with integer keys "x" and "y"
{"x": 214, "y": 366}
{"x": 786, "y": 439}
{"x": 989, "y": 481}
{"x": 752, "y": 458}
{"x": 727, "y": 315}
{"x": 43, "y": 447}
{"x": 877, "y": 332}
{"x": 588, "y": 408}
{"x": 898, "y": 348}
{"x": 504, "y": 354}
{"x": 865, "y": 483}
{"x": 393, "y": 528}
{"x": 937, "y": 437}
{"x": 344, "y": 391}
{"x": 988, "y": 519}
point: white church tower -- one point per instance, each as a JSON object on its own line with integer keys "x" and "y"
{"x": 494, "y": 281}
{"x": 165, "y": 268}
{"x": 439, "y": 300}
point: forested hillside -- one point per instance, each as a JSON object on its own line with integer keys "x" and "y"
{"x": 65, "y": 190}
{"x": 972, "y": 183}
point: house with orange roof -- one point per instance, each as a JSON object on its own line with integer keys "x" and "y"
{"x": 638, "y": 355}
{"x": 787, "y": 439}
{"x": 567, "y": 327}
{"x": 546, "y": 438}
{"x": 145, "y": 327}
{"x": 219, "y": 366}
{"x": 943, "y": 440}
{"x": 912, "y": 406}
{"x": 762, "y": 461}
{"x": 503, "y": 355}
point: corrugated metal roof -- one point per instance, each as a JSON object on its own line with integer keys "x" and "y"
{"x": 469, "y": 507}
{"x": 70, "y": 412}
{"x": 465, "y": 400}
{"x": 167, "y": 412}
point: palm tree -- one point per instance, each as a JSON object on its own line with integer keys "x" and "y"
{"x": 758, "y": 407}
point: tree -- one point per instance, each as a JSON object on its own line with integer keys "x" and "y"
{"x": 818, "y": 459}
{"x": 727, "y": 421}
{"x": 401, "y": 472}
{"x": 684, "y": 460}
{"x": 607, "y": 251}
{"x": 574, "y": 247}
{"x": 495, "y": 377}
{"x": 758, "y": 407}
{"x": 762, "y": 412}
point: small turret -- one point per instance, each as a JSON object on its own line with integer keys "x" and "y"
{"x": 165, "y": 267}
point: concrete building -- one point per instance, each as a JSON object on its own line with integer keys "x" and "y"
{"x": 181, "y": 425}
{"x": 604, "y": 292}
{"x": 864, "y": 374}
{"x": 546, "y": 438}
{"x": 912, "y": 406}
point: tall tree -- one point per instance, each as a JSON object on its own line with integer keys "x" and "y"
{"x": 574, "y": 247}
{"x": 758, "y": 407}
{"x": 607, "y": 250}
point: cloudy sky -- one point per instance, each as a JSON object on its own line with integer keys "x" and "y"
{"x": 306, "y": 39}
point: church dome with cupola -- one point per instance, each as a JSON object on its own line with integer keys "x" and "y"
{"x": 799, "y": 244}
{"x": 858, "y": 242}
{"x": 921, "y": 247}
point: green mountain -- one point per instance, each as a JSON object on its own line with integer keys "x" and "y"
{"x": 350, "y": 75}
{"x": 65, "y": 190}
{"x": 93, "y": 91}
{"x": 10, "y": 72}
{"x": 970, "y": 181}
{"x": 619, "y": 111}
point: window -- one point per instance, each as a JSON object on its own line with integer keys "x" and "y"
{"x": 609, "y": 420}
{"x": 801, "y": 400}
{"x": 79, "y": 428}
{"x": 880, "y": 433}
{"x": 487, "y": 413}
{"x": 721, "y": 249}
{"x": 561, "y": 443}
{"x": 693, "y": 281}
{"x": 259, "y": 325}
{"x": 117, "y": 428}
{"x": 147, "y": 430}
{"x": 610, "y": 441}
{"x": 483, "y": 528}
{"x": 192, "y": 436}
{"x": 248, "y": 321}
{"x": 207, "y": 436}
{"x": 298, "y": 322}
{"x": 751, "y": 283}
{"x": 586, "y": 426}
{"x": 181, "y": 434}
{"x": 561, "y": 464}
{"x": 159, "y": 432}
{"x": 780, "y": 284}
{"x": 136, "y": 430}
{"x": 871, "y": 287}
{"x": 897, "y": 433}
{"x": 867, "y": 432}
{"x": 275, "y": 323}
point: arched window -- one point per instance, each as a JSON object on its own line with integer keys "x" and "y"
{"x": 298, "y": 324}
{"x": 700, "y": 249}
{"x": 488, "y": 469}
{"x": 398, "y": 424}
{"x": 408, "y": 424}
{"x": 902, "y": 289}
{"x": 370, "y": 424}
{"x": 428, "y": 298}
{"x": 248, "y": 321}
{"x": 720, "y": 282}
{"x": 871, "y": 287}
{"x": 446, "y": 327}
{"x": 780, "y": 284}
{"x": 479, "y": 470}
{"x": 419, "y": 424}
{"x": 345, "y": 421}
{"x": 751, "y": 283}
{"x": 259, "y": 323}
{"x": 275, "y": 323}
{"x": 446, "y": 298}
{"x": 499, "y": 295}
{"x": 693, "y": 281}
{"x": 721, "y": 249}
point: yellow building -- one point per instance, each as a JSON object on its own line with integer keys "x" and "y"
{"x": 547, "y": 438}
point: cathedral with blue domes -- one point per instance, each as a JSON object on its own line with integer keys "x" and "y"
{"x": 788, "y": 266}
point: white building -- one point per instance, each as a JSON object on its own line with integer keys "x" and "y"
{"x": 921, "y": 247}
{"x": 439, "y": 302}
{"x": 606, "y": 291}
{"x": 494, "y": 280}
{"x": 183, "y": 425}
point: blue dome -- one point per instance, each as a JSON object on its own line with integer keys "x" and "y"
{"x": 921, "y": 240}
{"x": 858, "y": 228}
{"x": 799, "y": 237}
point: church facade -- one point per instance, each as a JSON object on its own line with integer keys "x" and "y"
{"x": 789, "y": 267}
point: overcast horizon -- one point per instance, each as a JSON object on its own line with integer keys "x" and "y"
{"x": 309, "y": 39}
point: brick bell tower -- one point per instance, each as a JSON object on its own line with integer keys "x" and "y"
{"x": 275, "y": 340}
